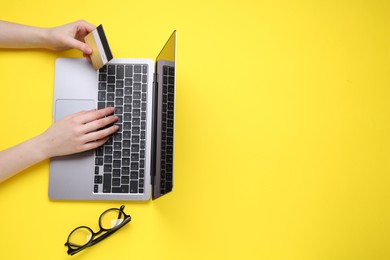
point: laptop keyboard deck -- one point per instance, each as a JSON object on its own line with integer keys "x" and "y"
{"x": 120, "y": 163}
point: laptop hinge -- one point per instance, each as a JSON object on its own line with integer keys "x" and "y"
{"x": 155, "y": 78}
{"x": 154, "y": 130}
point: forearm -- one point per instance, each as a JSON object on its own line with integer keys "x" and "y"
{"x": 22, "y": 156}
{"x": 13, "y": 35}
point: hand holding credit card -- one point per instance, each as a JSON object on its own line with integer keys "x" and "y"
{"x": 101, "y": 53}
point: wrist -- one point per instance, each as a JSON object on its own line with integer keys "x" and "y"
{"x": 43, "y": 38}
{"x": 44, "y": 146}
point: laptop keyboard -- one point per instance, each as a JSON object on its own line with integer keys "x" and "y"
{"x": 168, "y": 99}
{"x": 120, "y": 163}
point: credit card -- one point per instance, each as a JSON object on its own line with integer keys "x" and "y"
{"x": 101, "y": 52}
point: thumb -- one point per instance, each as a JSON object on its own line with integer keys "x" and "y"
{"x": 82, "y": 46}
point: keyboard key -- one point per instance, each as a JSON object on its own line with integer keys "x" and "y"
{"x": 107, "y": 168}
{"x": 128, "y": 91}
{"x": 127, "y": 117}
{"x": 125, "y": 179}
{"x": 99, "y": 161}
{"x": 128, "y": 71}
{"x": 134, "y": 166}
{"x": 137, "y": 95}
{"x": 136, "y": 121}
{"x": 107, "y": 183}
{"x": 116, "y": 164}
{"x": 101, "y": 105}
{"x": 134, "y": 175}
{"x": 125, "y": 170}
{"x": 102, "y": 86}
{"x": 108, "y": 149}
{"x": 133, "y": 186}
{"x": 117, "y": 145}
{"x": 126, "y": 134}
{"x": 110, "y": 88}
{"x": 127, "y": 108}
{"x": 118, "y": 101}
{"x": 126, "y": 161}
{"x": 171, "y": 71}
{"x": 116, "y": 182}
{"x": 111, "y": 69}
{"x": 117, "y": 154}
{"x": 128, "y": 82}
{"x": 135, "y": 130}
{"x": 128, "y": 99}
{"x": 135, "y": 148}
{"x": 110, "y": 96}
{"x": 135, "y": 157}
{"x": 137, "y": 86}
{"x": 98, "y": 179}
{"x": 126, "y": 125}
{"x": 116, "y": 172}
{"x": 119, "y": 84}
{"x": 118, "y": 137}
{"x": 108, "y": 159}
{"x": 111, "y": 79}
{"x": 120, "y": 73}
{"x": 103, "y": 69}
{"x": 126, "y": 152}
{"x": 136, "y": 104}
{"x": 102, "y": 77}
{"x": 102, "y": 96}
{"x": 137, "y": 68}
{"x": 126, "y": 143}
{"x": 135, "y": 139}
{"x": 118, "y": 110}
{"x": 119, "y": 92}
{"x": 137, "y": 77}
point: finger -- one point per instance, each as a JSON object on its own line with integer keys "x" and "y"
{"x": 101, "y": 134}
{"x": 86, "y": 25}
{"x": 79, "y": 45}
{"x": 94, "y": 144}
{"x": 95, "y": 114}
{"x": 100, "y": 123}
{"x": 77, "y": 114}
{"x": 87, "y": 57}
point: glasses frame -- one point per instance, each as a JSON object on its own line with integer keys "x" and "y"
{"x": 74, "y": 249}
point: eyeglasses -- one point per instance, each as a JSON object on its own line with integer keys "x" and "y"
{"x": 110, "y": 221}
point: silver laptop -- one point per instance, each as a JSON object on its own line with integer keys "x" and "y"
{"x": 137, "y": 161}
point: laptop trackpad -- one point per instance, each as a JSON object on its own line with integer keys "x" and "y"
{"x": 71, "y": 176}
{"x": 65, "y": 107}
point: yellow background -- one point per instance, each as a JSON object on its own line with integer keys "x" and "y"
{"x": 282, "y": 146}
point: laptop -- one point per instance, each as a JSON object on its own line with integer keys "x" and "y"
{"x": 136, "y": 163}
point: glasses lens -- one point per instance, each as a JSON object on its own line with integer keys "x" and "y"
{"x": 111, "y": 219}
{"x": 79, "y": 237}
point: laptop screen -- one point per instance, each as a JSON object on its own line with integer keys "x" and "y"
{"x": 164, "y": 111}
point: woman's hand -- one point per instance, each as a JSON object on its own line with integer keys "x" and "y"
{"x": 79, "y": 132}
{"x": 70, "y": 36}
